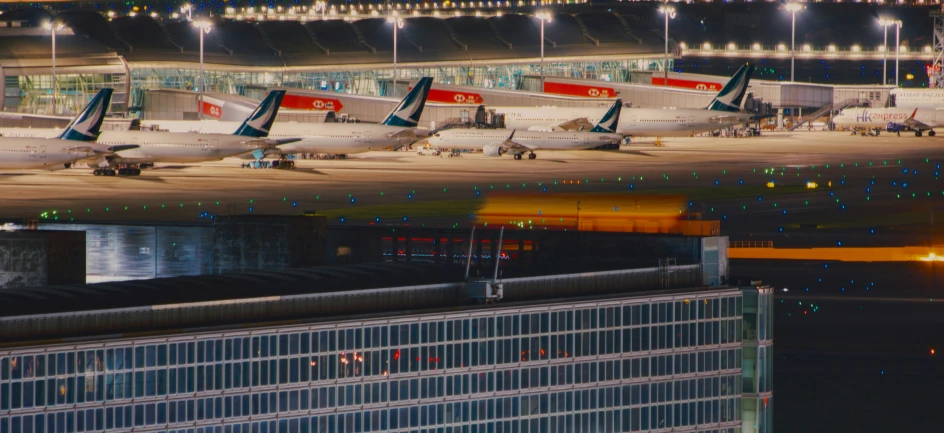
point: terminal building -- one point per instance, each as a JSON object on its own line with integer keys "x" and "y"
{"x": 626, "y": 343}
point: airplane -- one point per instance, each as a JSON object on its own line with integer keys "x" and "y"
{"x": 396, "y": 130}
{"x": 918, "y": 98}
{"x": 74, "y": 143}
{"x": 892, "y": 119}
{"x": 723, "y": 111}
{"x": 188, "y": 147}
{"x": 495, "y": 142}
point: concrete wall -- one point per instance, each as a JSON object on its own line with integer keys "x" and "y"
{"x": 37, "y": 258}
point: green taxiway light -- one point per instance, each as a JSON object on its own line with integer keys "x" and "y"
{"x": 217, "y": 203}
{"x": 107, "y": 209}
{"x": 145, "y": 206}
{"x": 89, "y": 210}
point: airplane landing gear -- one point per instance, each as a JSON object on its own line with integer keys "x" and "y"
{"x": 917, "y": 133}
{"x": 103, "y": 172}
{"x": 931, "y": 133}
{"x": 532, "y": 155}
{"x": 129, "y": 171}
{"x": 517, "y": 156}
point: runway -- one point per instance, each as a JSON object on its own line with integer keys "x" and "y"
{"x": 725, "y": 178}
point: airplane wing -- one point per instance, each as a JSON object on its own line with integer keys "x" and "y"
{"x": 101, "y": 150}
{"x": 913, "y": 123}
{"x": 578, "y": 124}
{"x": 511, "y": 144}
{"x": 727, "y": 118}
{"x": 270, "y": 142}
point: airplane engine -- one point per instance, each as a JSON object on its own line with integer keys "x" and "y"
{"x": 895, "y": 127}
{"x": 493, "y": 150}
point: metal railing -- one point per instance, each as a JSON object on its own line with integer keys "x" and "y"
{"x": 750, "y": 244}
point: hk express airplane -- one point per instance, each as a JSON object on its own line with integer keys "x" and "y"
{"x": 892, "y": 119}
{"x": 495, "y": 142}
{"x": 723, "y": 111}
{"x": 74, "y": 143}
{"x": 397, "y": 129}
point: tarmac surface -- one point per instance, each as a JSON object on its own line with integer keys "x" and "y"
{"x": 871, "y": 190}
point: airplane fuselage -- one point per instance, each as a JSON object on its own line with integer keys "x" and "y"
{"x": 477, "y": 139}
{"x": 330, "y": 138}
{"x": 639, "y": 122}
{"x": 158, "y": 146}
{"x": 41, "y": 153}
{"x": 881, "y": 117}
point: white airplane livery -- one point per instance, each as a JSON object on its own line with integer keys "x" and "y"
{"x": 75, "y": 142}
{"x": 918, "y": 98}
{"x": 892, "y": 119}
{"x": 188, "y": 147}
{"x": 495, "y": 142}
{"x": 721, "y": 112}
{"x": 397, "y": 129}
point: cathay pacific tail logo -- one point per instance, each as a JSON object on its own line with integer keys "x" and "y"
{"x": 408, "y": 111}
{"x": 88, "y": 124}
{"x": 610, "y": 120}
{"x": 732, "y": 94}
{"x": 260, "y": 121}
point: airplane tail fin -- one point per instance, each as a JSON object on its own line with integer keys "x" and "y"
{"x": 407, "y": 113}
{"x": 609, "y": 122}
{"x": 732, "y": 95}
{"x": 87, "y": 124}
{"x": 260, "y": 121}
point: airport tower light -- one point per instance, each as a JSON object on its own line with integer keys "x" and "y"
{"x": 54, "y": 27}
{"x": 793, "y": 8}
{"x": 321, "y": 6}
{"x": 203, "y": 27}
{"x": 669, "y": 13}
{"x": 542, "y": 17}
{"x": 397, "y": 23}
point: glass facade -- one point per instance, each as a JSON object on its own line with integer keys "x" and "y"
{"x": 615, "y": 365}
{"x": 373, "y": 82}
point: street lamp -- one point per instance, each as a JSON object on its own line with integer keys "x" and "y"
{"x": 669, "y": 12}
{"x": 54, "y": 27}
{"x": 886, "y": 23}
{"x": 203, "y": 27}
{"x": 793, "y": 8}
{"x": 542, "y": 17}
{"x": 397, "y": 24}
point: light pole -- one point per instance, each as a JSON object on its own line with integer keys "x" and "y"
{"x": 793, "y": 8}
{"x": 203, "y": 27}
{"x": 54, "y": 27}
{"x": 886, "y": 23}
{"x": 669, "y": 12}
{"x": 321, "y": 6}
{"x": 397, "y": 23}
{"x": 897, "y": 49}
{"x": 542, "y": 17}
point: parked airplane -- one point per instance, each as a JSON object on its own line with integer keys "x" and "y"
{"x": 397, "y": 129}
{"x": 723, "y": 111}
{"x": 75, "y": 142}
{"x": 918, "y": 98}
{"x": 186, "y": 147}
{"x": 495, "y": 142}
{"x": 892, "y": 119}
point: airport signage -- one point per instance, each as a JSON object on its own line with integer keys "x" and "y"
{"x": 454, "y": 97}
{"x": 687, "y": 84}
{"x": 579, "y": 90}
{"x": 212, "y": 110}
{"x": 316, "y": 103}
